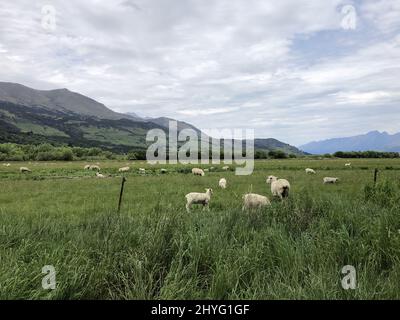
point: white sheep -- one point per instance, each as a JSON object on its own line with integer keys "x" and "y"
{"x": 279, "y": 187}
{"x": 94, "y": 167}
{"x": 330, "y": 180}
{"x": 198, "y": 172}
{"x": 163, "y": 171}
{"x": 198, "y": 198}
{"x": 6, "y": 164}
{"x": 347, "y": 164}
{"x": 24, "y": 169}
{"x": 222, "y": 183}
{"x": 254, "y": 201}
{"x": 124, "y": 169}
{"x": 99, "y": 175}
{"x": 311, "y": 171}
{"x": 142, "y": 170}
{"x": 225, "y": 168}
{"x": 87, "y": 167}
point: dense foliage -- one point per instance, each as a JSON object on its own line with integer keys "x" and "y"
{"x": 366, "y": 154}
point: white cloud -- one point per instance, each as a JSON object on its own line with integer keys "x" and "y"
{"x": 245, "y": 62}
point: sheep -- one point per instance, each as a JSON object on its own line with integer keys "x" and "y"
{"x": 6, "y": 164}
{"x": 99, "y": 175}
{"x": 279, "y": 187}
{"x": 142, "y": 170}
{"x": 198, "y": 172}
{"x": 311, "y": 171}
{"x": 330, "y": 180}
{"x": 87, "y": 167}
{"x": 222, "y": 183}
{"x": 163, "y": 171}
{"x": 198, "y": 198}
{"x": 225, "y": 168}
{"x": 347, "y": 164}
{"x": 254, "y": 201}
{"x": 94, "y": 167}
{"x": 24, "y": 169}
{"x": 124, "y": 169}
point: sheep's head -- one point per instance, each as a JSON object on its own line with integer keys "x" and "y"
{"x": 270, "y": 179}
{"x": 209, "y": 190}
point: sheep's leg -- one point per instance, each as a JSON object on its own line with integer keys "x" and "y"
{"x": 188, "y": 207}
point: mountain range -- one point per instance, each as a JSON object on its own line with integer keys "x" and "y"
{"x": 374, "y": 140}
{"x": 60, "y": 116}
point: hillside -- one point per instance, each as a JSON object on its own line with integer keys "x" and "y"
{"x": 32, "y": 116}
{"x": 374, "y": 140}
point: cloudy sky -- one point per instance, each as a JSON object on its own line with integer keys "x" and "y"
{"x": 296, "y": 70}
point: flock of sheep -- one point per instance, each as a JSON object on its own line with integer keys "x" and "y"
{"x": 279, "y": 188}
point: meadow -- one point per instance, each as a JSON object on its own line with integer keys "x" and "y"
{"x": 62, "y": 215}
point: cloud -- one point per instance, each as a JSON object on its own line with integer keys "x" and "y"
{"x": 287, "y": 69}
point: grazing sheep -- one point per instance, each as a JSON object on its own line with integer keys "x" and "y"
{"x": 99, "y": 175}
{"x": 225, "y": 168}
{"x": 87, "y": 167}
{"x": 24, "y": 169}
{"x": 309, "y": 170}
{"x": 94, "y": 167}
{"x": 6, "y": 164}
{"x": 124, "y": 169}
{"x": 347, "y": 164}
{"x": 222, "y": 183}
{"x": 198, "y": 172}
{"x": 198, "y": 198}
{"x": 330, "y": 180}
{"x": 254, "y": 201}
{"x": 279, "y": 187}
{"x": 142, "y": 170}
{"x": 163, "y": 171}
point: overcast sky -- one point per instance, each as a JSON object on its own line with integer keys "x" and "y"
{"x": 293, "y": 70}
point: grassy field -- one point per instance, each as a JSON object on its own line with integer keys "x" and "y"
{"x": 63, "y": 216}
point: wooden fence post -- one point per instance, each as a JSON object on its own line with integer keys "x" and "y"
{"x": 121, "y": 193}
{"x": 375, "y": 176}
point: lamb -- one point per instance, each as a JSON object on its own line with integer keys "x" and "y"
{"x": 124, "y": 169}
{"x": 347, "y": 164}
{"x": 279, "y": 187}
{"x": 163, "y": 171}
{"x": 142, "y": 170}
{"x": 24, "y": 169}
{"x": 311, "y": 171}
{"x": 330, "y": 180}
{"x": 225, "y": 168}
{"x": 94, "y": 167}
{"x": 222, "y": 183}
{"x": 198, "y": 198}
{"x": 87, "y": 167}
{"x": 254, "y": 201}
{"x": 198, "y": 172}
{"x": 99, "y": 175}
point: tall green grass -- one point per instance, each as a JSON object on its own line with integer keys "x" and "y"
{"x": 154, "y": 249}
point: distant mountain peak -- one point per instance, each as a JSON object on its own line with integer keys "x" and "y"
{"x": 373, "y": 140}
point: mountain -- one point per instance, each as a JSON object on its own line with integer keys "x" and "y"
{"x": 374, "y": 140}
{"x": 59, "y": 100}
{"x": 30, "y": 116}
